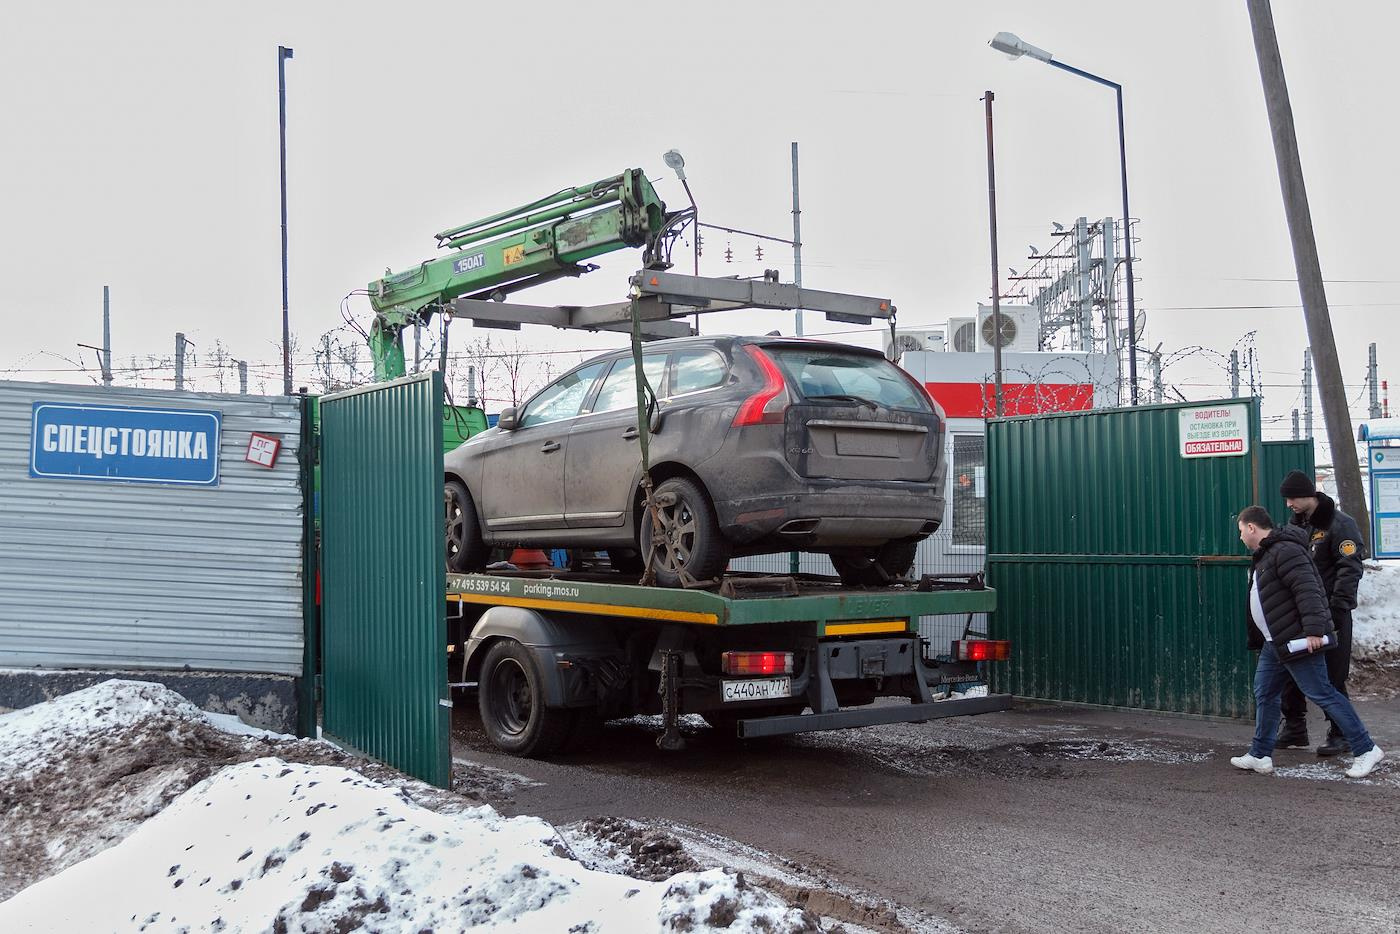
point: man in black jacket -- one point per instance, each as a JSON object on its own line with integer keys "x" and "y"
{"x": 1290, "y": 626}
{"x": 1337, "y": 550}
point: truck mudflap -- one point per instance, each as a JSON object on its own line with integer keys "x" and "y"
{"x": 871, "y": 716}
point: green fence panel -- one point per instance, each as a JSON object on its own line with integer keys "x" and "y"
{"x": 384, "y": 634}
{"x": 1279, "y": 457}
{"x": 1119, "y": 573}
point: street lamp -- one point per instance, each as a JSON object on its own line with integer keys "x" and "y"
{"x": 284, "y": 53}
{"x": 1015, "y": 47}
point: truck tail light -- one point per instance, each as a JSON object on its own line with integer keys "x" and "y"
{"x": 756, "y": 663}
{"x": 765, "y": 407}
{"x": 981, "y": 650}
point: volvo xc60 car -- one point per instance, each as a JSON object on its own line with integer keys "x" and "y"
{"x": 757, "y": 445}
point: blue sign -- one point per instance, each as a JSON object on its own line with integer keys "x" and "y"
{"x": 125, "y": 443}
{"x": 1385, "y": 499}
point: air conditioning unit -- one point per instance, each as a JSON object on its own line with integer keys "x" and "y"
{"x": 912, "y": 339}
{"x": 962, "y": 335}
{"x": 1020, "y": 329}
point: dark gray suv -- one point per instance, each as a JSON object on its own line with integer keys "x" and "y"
{"x": 757, "y": 445}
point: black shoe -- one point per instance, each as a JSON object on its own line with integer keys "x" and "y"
{"x": 1293, "y": 736}
{"x": 1336, "y": 744}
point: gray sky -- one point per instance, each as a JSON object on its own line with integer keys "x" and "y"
{"x": 141, "y": 152}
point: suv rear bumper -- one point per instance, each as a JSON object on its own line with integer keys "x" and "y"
{"x": 843, "y": 515}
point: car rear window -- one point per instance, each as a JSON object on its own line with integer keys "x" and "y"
{"x": 825, "y": 372}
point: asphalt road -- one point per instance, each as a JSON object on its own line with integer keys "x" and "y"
{"x": 1039, "y": 818}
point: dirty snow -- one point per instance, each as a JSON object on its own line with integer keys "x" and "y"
{"x": 270, "y": 844}
{"x": 1376, "y": 619}
{"x": 640, "y": 848}
{"x": 1387, "y": 773}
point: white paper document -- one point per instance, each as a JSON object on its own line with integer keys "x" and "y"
{"x": 1301, "y": 645}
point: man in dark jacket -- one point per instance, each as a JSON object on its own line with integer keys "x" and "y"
{"x": 1290, "y": 626}
{"x": 1337, "y": 550}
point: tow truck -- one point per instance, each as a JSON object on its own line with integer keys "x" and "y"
{"x": 550, "y": 652}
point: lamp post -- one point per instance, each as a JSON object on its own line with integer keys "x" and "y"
{"x": 1015, "y": 47}
{"x": 284, "y": 53}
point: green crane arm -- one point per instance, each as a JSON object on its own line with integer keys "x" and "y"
{"x": 513, "y": 250}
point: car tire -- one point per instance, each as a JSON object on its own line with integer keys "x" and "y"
{"x": 466, "y": 551}
{"x": 877, "y": 567}
{"x": 702, "y": 552}
{"x": 510, "y": 696}
{"x": 626, "y": 560}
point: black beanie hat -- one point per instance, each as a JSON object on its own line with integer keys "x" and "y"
{"x": 1296, "y": 484}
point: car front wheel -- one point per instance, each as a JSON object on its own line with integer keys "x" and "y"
{"x": 466, "y": 551}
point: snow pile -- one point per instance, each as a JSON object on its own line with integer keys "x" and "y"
{"x": 196, "y": 826}
{"x": 79, "y": 773}
{"x": 62, "y": 731}
{"x": 1376, "y": 619}
{"x": 272, "y": 845}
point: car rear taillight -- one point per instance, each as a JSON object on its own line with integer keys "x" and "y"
{"x": 756, "y": 663}
{"x": 765, "y": 407}
{"x": 981, "y": 650}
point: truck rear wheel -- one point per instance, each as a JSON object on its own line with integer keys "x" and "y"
{"x": 510, "y": 697}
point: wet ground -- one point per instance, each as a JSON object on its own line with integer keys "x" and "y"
{"x": 1040, "y": 818}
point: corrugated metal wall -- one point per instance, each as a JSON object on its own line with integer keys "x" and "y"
{"x": 98, "y": 574}
{"x": 1119, "y": 573}
{"x": 1278, "y": 458}
{"x": 384, "y": 635}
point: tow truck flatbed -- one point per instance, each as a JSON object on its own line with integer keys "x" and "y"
{"x": 741, "y": 599}
{"x": 548, "y": 649}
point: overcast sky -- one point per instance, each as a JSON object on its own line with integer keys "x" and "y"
{"x": 141, "y": 153}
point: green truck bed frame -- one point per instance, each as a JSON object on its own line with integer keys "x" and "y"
{"x": 744, "y": 600}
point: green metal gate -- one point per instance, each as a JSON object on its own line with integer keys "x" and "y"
{"x": 1119, "y": 573}
{"x": 1279, "y": 457}
{"x": 384, "y": 635}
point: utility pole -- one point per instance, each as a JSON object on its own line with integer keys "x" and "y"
{"x": 180, "y": 361}
{"x": 1235, "y": 374}
{"x": 1309, "y": 269}
{"x": 107, "y": 337}
{"x": 471, "y": 386}
{"x": 794, "y": 557}
{"x": 1371, "y": 374}
{"x": 284, "y": 53}
{"x": 1307, "y": 395}
{"x": 1158, "y": 390}
{"x": 796, "y": 237}
{"x": 326, "y": 349}
{"x": 987, "y": 99}
{"x": 243, "y": 377}
{"x": 1295, "y": 424}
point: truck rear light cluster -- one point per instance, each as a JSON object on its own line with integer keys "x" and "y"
{"x": 981, "y": 650}
{"x": 765, "y": 407}
{"x": 756, "y": 663}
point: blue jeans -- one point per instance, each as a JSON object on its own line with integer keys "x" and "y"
{"x": 1310, "y": 674}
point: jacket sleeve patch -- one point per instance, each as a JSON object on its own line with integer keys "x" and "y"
{"x": 1347, "y": 548}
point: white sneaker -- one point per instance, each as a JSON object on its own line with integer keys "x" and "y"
{"x": 1255, "y": 764}
{"x": 1362, "y": 765}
